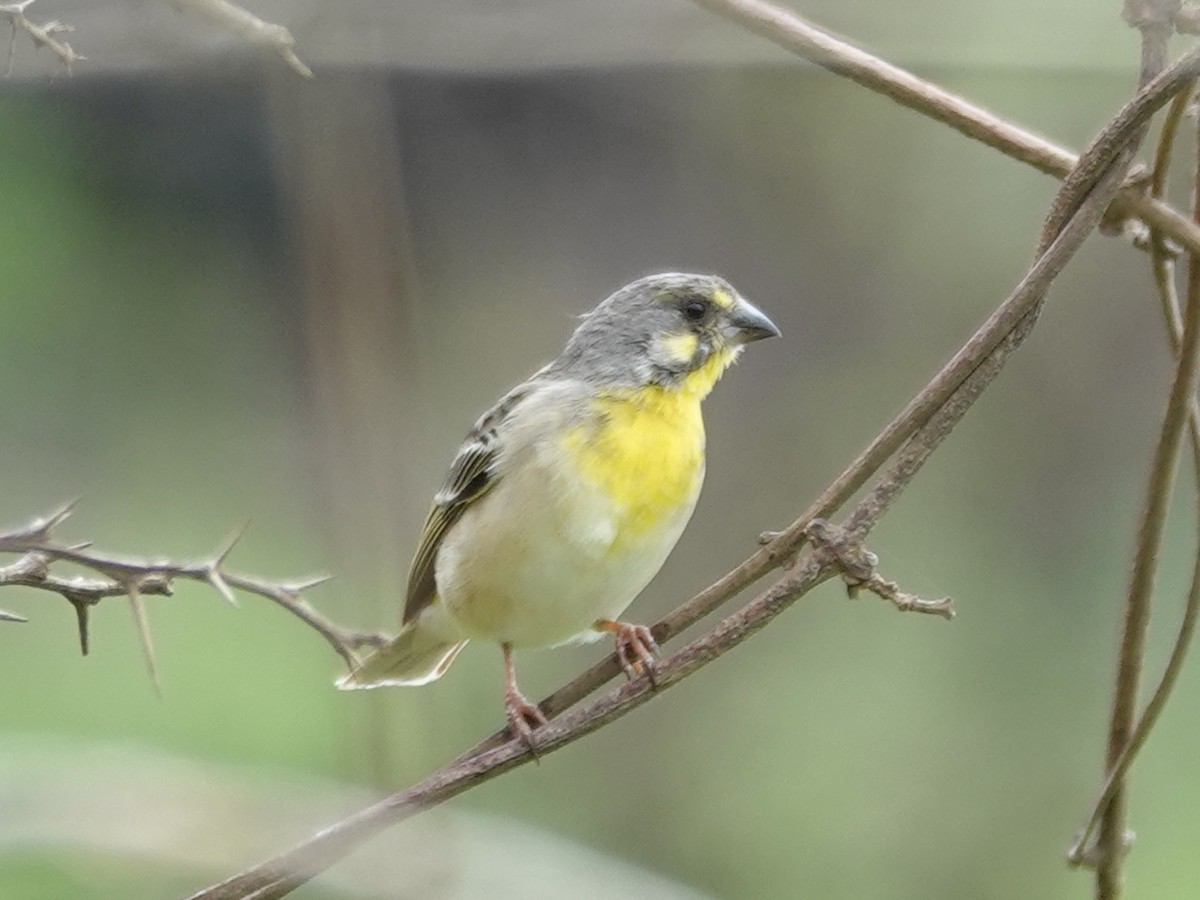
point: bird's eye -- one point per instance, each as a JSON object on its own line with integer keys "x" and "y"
{"x": 694, "y": 310}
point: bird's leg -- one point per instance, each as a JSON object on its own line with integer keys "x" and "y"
{"x": 636, "y": 647}
{"x": 523, "y": 716}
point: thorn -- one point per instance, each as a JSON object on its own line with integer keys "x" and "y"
{"x": 215, "y": 578}
{"x": 82, "y": 610}
{"x": 222, "y": 555}
{"x": 290, "y": 57}
{"x": 6, "y": 616}
{"x": 143, "y": 630}
{"x": 61, "y": 515}
{"x": 221, "y": 586}
{"x": 306, "y": 584}
{"x": 38, "y": 531}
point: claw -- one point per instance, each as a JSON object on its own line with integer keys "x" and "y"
{"x": 636, "y": 648}
{"x": 523, "y": 717}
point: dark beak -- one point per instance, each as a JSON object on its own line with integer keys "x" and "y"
{"x": 748, "y": 323}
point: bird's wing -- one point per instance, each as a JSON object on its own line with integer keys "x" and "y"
{"x": 472, "y": 474}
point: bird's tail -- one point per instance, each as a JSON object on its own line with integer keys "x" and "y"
{"x": 412, "y": 657}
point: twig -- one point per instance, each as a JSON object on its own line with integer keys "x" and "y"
{"x": 140, "y": 578}
{"x": 915, "y": 433}
{"x": 42, "y": 35}
{"x": 796, "y": 35}
{"x": 857, "y": 566}
{"x": 1162, "y": 257}
{"x": 1082, "y": 850}
{"x": 1154, "y": 19}
{"x": 241, "y": 22}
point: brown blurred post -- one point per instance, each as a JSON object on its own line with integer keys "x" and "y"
{"x": 338, "y": 170}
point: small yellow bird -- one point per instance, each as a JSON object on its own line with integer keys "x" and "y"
{"x": 567, "y": 496}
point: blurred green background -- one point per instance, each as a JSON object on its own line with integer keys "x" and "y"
{"x": 233, "y": 296}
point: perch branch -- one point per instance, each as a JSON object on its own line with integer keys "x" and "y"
{"x": 910, "y": 439}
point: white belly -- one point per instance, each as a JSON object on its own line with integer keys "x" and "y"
{"x": 537, "y": 560}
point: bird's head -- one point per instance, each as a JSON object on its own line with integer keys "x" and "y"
{"x": 674, "y": 330}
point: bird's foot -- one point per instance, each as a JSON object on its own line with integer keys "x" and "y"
{"x": 523, "y": 717}
{"x": 636, "y": 648}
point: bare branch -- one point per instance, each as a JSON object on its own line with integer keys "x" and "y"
{"x": 1154, "y": 19}
{"x": 241, "y": 22}
{"x": 43, "y": 35}
{"x": 1083, "y": 851}
{"x": 796, "y": 35}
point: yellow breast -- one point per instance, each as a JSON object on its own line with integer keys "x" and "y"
{"x": 644, "y": 454}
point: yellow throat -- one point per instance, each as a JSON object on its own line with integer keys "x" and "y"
{"x": 646, "y": 454}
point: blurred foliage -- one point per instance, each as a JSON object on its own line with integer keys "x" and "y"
{"x": 157, "y": 362}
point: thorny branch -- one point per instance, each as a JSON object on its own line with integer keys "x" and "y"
{"x": 43, "y": 35}
{"x": 135, "y": 579}
{"x": 224, "y": 14}
{"x": 910, "y": 439}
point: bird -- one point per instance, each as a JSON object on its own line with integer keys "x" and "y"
{"x": 568, "y": 495}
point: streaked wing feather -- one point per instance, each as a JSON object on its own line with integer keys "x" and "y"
{"x": 471, "y": 475}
